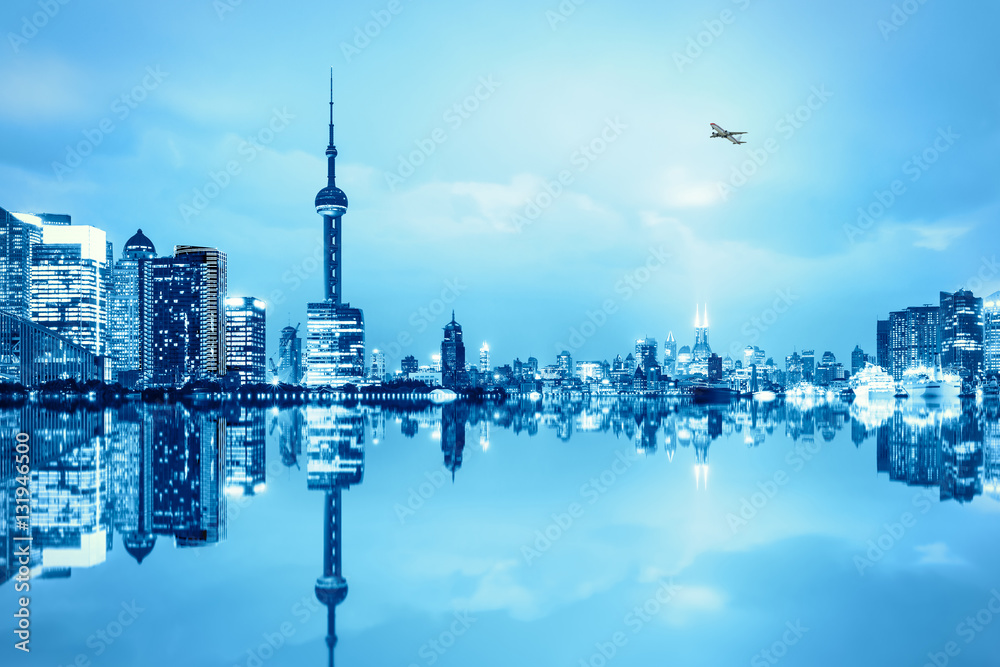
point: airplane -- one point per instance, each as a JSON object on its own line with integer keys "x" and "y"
{"x": 724, "y": 134}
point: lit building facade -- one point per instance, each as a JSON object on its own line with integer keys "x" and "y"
{"x": 453, "y": 355}
{"x": 645, "y": 353}
{"x": 177, "y": 316}
{"x": 701, "y": 350}
{"x": 961, "y": 323}
{"x": 32, "y": 354}
{"x": 991, "y": 333}
{"x": 913, "y": 338}
{"x": 335, "y": 344}
{"x": 378, "y": 366}
{"x": 213, "y": 299}
{"x": 69, "y": 284}
{"x": 19, "y": 234}
{"x": 484, "y": 359}
{"x": 289, "y": 368}
{"x": 670, "y": 355}
{"x": 246, "y": 338}
{"x": 127, "y": 340}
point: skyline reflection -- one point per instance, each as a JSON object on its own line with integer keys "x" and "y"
{"x": 155, "y": 472}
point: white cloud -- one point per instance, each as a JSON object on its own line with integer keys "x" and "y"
{"x": 937, "y": 237}
{"x": 937, "y": 553}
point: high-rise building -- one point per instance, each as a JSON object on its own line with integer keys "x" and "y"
{"x": 484, "y": 359}
{"x": 127, "y": 337}
{"x": 793, "y": 368}
{"x": 857, "y": 359}
{"x": 670, "y": 355}
{"x": 991, "y": 333}
{"x": 913, "y": 338}
{"x": 213, "y": 299}
{"x": 589, "y": 371}
{"x": 409, "y": 364}
{"x": 961, "y": 323}
{"x": 565, "y": 363}
{"x": 645, "y": 353}
{"x": 335, "y": 344}
{"x": 335, "y": 332}
{"x": 289, "y": 368}
{"x": 69, "y": 284}
{"x": 246, "y": 338}
{"x": 752, "y": 356}
{"x": 714, "y": 367}
{"x": 452, "y": 355}
{"x": 378, "y": 366}
{"x": 828, "y": 369}
{"x": 883, "y": 336}
{"x": 19, "y": 234}
{"x": 808, "y": 360}
{"x": 701, "y": 350}
{"x": 176, "y": 309}
{"x": 530, "y": 371}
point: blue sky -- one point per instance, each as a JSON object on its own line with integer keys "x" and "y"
{"x": 200, "y": 80}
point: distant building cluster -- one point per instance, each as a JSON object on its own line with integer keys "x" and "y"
{"x": 961, "y": 334}
{"x": 641, "y": 371}
{"x": 68, "y": 310}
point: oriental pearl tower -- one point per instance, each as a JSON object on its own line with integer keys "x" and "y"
{"x": 335, "y": 332}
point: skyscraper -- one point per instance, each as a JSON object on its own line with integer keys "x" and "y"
{"x": 961, "y": 323}
{"x": 565, "y": 363}
{"x": 127, "y": 337}
{"x": 913, "y": 338}
{"x": 19, "y": 234}
{"x": 484, "y": 358}
{"x": 452, "y": 355}
{"x": 246, "y": 338}
{"x": 409, "y": 364}
{"x": 991, "y": 333}
{"x": 645, "y": 353}
{"x": 69, "y": 284}
{"x": 883, "y": 355}
{"x": 289, "y": 368}
{"x": 175, "y": 312}
{"x": 213, "y": 298}
{"x": 378, "y": 366}
{"x": 857, "y": 359}
{"x": 670, "y": 354}
{"x": 701, "y": 350}
{"x": 808, "y": 360}
{"x": 335, "y": 332}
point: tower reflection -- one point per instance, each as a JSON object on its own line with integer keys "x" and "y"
{"x": 336, "y": 461}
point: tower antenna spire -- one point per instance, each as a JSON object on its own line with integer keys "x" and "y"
{"x": 331, "y": 106}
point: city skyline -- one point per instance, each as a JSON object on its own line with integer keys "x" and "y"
{"x": 653, "y": 190}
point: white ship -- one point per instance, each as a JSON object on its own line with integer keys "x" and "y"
{"x": 872, "y": 383}
{"x": 924, "y": 382}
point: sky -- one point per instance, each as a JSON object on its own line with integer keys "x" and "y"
{"x": 545, "y": 169}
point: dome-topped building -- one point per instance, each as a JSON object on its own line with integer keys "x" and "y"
{"x": 139, "y": 247}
